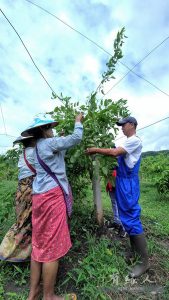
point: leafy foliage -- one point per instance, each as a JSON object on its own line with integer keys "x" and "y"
{"x": 111, "y": 64}
{"x": 163, "y": 184}
{"x": 8, "y": 189}
{"x": 8, "y": 164}
{"x": 95, "y": 267}
{"x": 99, "y": 126}
{"x": 156, "y": 170}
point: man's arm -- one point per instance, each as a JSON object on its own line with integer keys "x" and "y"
{"x": 109, "y": 152}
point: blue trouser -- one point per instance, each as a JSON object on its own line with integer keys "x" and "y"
{"x": 127, "y": 196}
{"x": 115, "y": 208}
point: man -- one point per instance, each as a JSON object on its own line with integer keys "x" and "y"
{"x": 128, "y": 189}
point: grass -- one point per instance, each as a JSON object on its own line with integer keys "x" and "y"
{"x": 101, "y": 267}
{"x": 95, "y": 267}
{"x": 154, "y": 210}
{"x": 13, "y": 281}
{"x": 93, "y": 276}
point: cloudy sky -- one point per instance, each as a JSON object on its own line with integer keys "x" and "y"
{"x": 73, "y": 65}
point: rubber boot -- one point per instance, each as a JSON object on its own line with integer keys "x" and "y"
{"x": 130, "y": 254}
{"x": 138, "y": 243}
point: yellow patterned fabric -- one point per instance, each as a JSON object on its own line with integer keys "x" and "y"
{"x": 16, "y": 245}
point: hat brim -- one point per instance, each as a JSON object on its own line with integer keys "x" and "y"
{"x": 120, "y": 123}
{"x": 22, "y": 139}
{"x": 31, "y": 130}
{"x": 123, "y": 123}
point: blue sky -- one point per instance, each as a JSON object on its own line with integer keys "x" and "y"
{"x": 73, "y": 65}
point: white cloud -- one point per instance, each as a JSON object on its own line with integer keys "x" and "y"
{"x": 73, "y": 65}
{"x": 90, "y": 65}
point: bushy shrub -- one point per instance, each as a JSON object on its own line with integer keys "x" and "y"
{"x": 7, "y": 211}
{"x": 8, "y": 164}
{"x": 163, "y": 185}
{"x": 156, "y": 170}
{"x": 100, "y": 128}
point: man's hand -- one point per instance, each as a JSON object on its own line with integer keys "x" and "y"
{"x": 79, "y": 117}
{"x": 106, "y": 151}
{"x": 90, "y": 151}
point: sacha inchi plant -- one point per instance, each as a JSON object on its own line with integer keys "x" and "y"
{"x": 99, "y": 131}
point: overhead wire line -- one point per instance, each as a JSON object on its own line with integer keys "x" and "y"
{"x": 5, "y": 147}
{"x": 8, "y": 135}
{"x": 152, "y": 84}
{"x": 71, "y": 27}
{"x": 139, "y": 62}
{"x": 28, "y": 52}
{"x": 152, "y": 124}
{"x": 146, "y": 126}
{"x": 97, "y": 45}
{"x": 3, "y": 119}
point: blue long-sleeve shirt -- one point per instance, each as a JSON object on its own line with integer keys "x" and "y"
{"x": 52, "y": 151}
{"x": 24, "y": 170}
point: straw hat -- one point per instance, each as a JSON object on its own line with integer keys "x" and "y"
{"x": 20, "y": 139}
{"x": 38, "y": 123}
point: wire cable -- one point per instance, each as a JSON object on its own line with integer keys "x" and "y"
{"x": 146, "y": 126}
{"x": 28, "y": 52}
{"x": 100, "y": 47}
{"x": 3, "y": 119}
{"x": 71, "y": 27}
{"x": 8, "y": 135}
{"x": 139, "y": 62}
{"x": 5, "y": 147}
{"x": 130, "y": 70}
{"x": 152, "y": 124}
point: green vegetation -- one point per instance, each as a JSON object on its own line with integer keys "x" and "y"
{"x": 155, "y": 170}
{"x": 95, "y": 267}
{"x": 100, "y": 130}
{"x": 7, "y": 215}
{"x": 154, "y": 153}
{"x": 8, "y": 163}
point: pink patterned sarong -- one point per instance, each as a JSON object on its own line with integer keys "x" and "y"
{"x": 50, "y": 233}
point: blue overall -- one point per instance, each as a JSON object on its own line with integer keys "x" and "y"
{"x": 127, "y": 196}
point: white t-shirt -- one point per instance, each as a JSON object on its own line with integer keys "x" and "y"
{"x": 133, "y": 147}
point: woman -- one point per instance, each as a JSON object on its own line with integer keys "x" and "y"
{"x": 16, "y": 245}
{"x": 51, "y": 204}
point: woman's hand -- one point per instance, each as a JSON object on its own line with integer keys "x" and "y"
{"x": 62, "y": 132}
{"x": 79, "y": 117}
